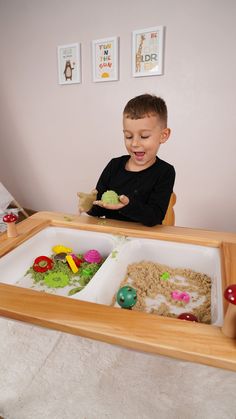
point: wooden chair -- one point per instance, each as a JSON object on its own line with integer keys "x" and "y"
{"x": 6, "y": 199}
{"x": 169, "y": 219}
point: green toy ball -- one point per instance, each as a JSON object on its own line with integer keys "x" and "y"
{"x": 126, "y": 297}
{"x": 110, "y": 197}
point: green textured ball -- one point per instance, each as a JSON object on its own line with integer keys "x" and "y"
{"x": 126, "y": 297}
{"x": 110, "y": 197}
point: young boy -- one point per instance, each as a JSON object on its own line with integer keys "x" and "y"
{"x": 142, "y": 180}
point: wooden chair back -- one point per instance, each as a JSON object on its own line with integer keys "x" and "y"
{"x": 169, "y": 219}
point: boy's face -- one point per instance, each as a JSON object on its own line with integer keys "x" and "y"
{"x": 142, "y": 140}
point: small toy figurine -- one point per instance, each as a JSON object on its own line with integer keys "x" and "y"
{"x": 229, "y": 326}
{"x": 126, "y": 297}
{"x": 10, "y": 220}
{"x": 86, "y": 200}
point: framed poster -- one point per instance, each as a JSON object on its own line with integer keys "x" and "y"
{"x": 147, "y": 52}
{"x": 69, "y": 64}
{"x": 105, "y": 59}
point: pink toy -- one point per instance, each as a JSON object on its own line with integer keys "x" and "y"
{"x": 180, "y": 296}
{"x": 92, "y": 256}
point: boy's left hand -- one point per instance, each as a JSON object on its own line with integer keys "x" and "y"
{"x": 124, "y": 200}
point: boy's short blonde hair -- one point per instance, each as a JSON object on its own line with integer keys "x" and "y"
{"x": 143, "y": 105}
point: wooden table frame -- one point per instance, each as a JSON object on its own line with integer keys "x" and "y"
{"x": 175, "y": 338}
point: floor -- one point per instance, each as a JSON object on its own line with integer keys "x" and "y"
{"x": 46, "y": 374}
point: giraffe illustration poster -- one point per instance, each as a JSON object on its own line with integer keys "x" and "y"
{"x": 105, "y": 59}
{"x": 69, "y": 66}
{"x": 147, "y": 52}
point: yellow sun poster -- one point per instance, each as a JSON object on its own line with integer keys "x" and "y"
{"x": 105, "y": 59}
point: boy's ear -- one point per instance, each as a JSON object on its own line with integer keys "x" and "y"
{"x": 165, "y": 135}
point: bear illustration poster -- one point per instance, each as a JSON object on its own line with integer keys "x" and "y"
{"x": 69, "y": 64}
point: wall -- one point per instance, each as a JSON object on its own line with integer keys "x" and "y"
{"x": 55, "y": 139}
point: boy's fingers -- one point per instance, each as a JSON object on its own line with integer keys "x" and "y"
{"x": 100, "y": 203}
{"x": 124, "y": 199}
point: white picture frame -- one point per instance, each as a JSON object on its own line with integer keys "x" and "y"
{"x": 147, "y": 51}
{"x": 69, "y": 63}
{"x": 105, "y": 59}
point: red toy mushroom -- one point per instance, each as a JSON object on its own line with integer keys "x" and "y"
{"x": 10, "y": 220}
{"x": 188, "y": 316}
{"x": 229, "y": 326}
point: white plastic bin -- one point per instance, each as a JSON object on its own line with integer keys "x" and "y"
{"x": 14, "y": 265}
{"x": 120, "y": 252}
{"x": 105, "y": 284}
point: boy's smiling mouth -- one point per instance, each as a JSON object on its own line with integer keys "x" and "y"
{"x": 139, "y": 154}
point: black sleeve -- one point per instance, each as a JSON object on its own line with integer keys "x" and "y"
{"x": 153, "y": 211}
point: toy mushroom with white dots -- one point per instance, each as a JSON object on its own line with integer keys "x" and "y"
{"x": 229, "y": 326}
{"x": 10, "y": 219}
{"x": 188, "y": 316}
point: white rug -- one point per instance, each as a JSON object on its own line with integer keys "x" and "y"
{"x": 50, "y": 375}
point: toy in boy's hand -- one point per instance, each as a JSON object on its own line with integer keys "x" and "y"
{"x": 86, "y": 200}
{"x": 126, "y": 297}
{"x": 111, "y": 200}
{"x": 110, "y": 197}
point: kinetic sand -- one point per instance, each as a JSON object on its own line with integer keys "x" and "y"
{"x": 159, "y": 286}
{"x": 61, "y": 275}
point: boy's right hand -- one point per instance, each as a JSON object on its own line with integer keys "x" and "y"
{"x": 124, "y": 200}
{"x": 86, "y": 200}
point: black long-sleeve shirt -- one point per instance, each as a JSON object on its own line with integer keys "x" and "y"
{"x": 148, "y": 190}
